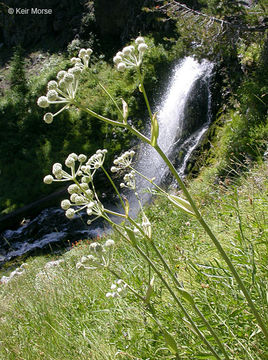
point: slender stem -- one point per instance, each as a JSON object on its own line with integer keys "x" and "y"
{"x": 166, "y": 266}
{"x": 144, "y": 94}
{"x": 189, "y": 198}
{"x": 215, "y": 241}
{"x": 111, "y": 122}
{"x": 179, "y": 303}
{"x": 113, "y": 100}
{"x": 114, "y": 186}
{"x": 149, "y": 180}
{"x": 114, "y": 213}
{"x": 100, "y": 117}
{"x": 199, "y": 313}
{"x": 185, "y": 312}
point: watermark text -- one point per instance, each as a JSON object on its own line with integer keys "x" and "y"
{"x": 29, "y": 11}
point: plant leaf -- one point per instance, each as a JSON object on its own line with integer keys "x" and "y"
{"x": 131, "y": 235}
{"x": 125, "y": 111}
{"x": 182, "y": 204}
{"x": 154, "y": 130}
{"x": 186, "y": 295}
{"x": 149, "y": 291}
{"x": 170, "y": 341}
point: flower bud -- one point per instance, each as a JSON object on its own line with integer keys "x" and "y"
{"x": 69, "y": 162}
{"x": 68, "y": 78}
{"x": 73, "y": 197}
{"x": 61, "y": 74}
{"x": 48, "y": 118}
{"x": 89, "y": 51}
{"x": 82, "y": 158}
{"x": 121, "y": 66}
{"x": 139, "y": 40}
{"x": 74, "y": 156}
{"x": 48, "y": 179}
{"x": 142, "y": 47}
{"x": 42, "y": 102}
{"x": 127, "y": 50}
{"x": 117, "y": 59}
{"x": 52, "y": 85}
{"x": 73, "y": 189}
{"x": 70, "y": 213}
{"x": 65, "y": 204}
{"x": 75, "y": 60}
{"x": 52, "y": 95}
{"x": 76, "y": 71}
{"x": 82, "y": 53}
{"x": 56, "y": 167}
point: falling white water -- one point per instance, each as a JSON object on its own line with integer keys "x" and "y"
{"x": 48, "y": 227}
{"x": 172, "y": 121}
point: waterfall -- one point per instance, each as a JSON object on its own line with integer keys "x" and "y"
{"x": 183, "y": 115}
{"x": 176, "y": 134}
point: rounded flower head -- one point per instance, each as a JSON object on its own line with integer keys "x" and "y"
{"x": 69, "y": 162}
{"x": 68, "y": 78}
{"x": 76, "y": 71}
{"x": 142, "y": 47}
{"x": 43, "y": 102}
{"x": 61, "y": 74}
{"x": 128, "y": 50}
{"x": 48, "y": 179}
{"x": 117, "y": 59}
{"x": 70, "y": 213}
{"x": 82, "y": 53}
{"x": 131, "y": 56}
{"x": 65, "y": 204}
{"x": 75, "y": 60}
{"x": 48, "y": 118}
{"x": 73, "y": 189}
{"x": 139, "y": 40}
{"x": 52, "y": 95}
{"x": 52, "y": 85}
{"x": 121, "y": 67}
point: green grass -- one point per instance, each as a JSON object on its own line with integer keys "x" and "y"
{"x": 64, "y": 313}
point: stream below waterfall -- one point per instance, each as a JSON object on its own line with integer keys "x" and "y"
{"x": 184, "y": 115}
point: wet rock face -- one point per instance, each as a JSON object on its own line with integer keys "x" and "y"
{"x": 50, "y": 229}
{"x": 196, "y": 108}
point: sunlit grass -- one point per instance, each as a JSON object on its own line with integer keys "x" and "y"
{"x": 64, "y": 313}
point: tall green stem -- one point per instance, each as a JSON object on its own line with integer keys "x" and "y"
{"x": 189, "y": 198}
{"x": 215, "y": 241}
{"x": 177, "y": 300}
{"x": 175, "y": 280}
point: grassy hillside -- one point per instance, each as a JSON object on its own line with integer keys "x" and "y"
{"x": 60, "y": 311}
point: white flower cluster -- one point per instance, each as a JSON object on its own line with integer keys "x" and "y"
{"x": 63, "y": 90}
{"x": 81, "y": 196}
{"x": 100, "y": 256}
{"x": 118, "y": 289}
{"x": 123, "y": 161}
{"x": 130, "y": 181}
{"x": 130, "y": 56}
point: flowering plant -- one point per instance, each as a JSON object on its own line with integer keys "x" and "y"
{"x": 83, "y": 196}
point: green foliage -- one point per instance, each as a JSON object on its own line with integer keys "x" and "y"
{"x": 37, "y": 145}
{"x": 65, "y": 311}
